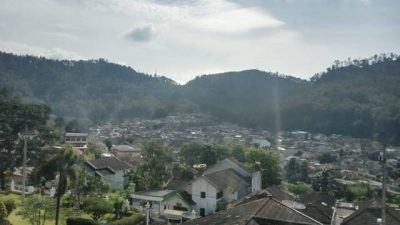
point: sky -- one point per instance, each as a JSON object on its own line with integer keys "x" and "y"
{"x": 182, "y": 39}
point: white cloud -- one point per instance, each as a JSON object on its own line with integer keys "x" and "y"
{"x": 53, "y": 53}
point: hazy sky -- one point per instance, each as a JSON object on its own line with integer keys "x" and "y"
{"x": 185, "y": 38}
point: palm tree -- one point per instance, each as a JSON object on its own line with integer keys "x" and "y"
{"x": 66, "y": 160}
{"x": 62, "y": 163}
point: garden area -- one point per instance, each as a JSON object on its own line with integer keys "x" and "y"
{"x": 40, "y": 210}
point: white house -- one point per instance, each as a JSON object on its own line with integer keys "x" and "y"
{"x": 78, "y": 140}
{"x": 111, "y": 170}
{"x": 125, "y": 151}
{"x": 161, "y": 200}
{"x": 226, "y": 181}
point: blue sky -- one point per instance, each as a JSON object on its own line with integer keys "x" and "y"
{"x": 185, "y": 38}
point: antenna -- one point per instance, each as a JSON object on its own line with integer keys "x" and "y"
{"x": 384, "y": 185}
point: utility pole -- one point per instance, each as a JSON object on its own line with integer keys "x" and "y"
{"x": 384, "y": 185}
{"x": 24, "y": 168}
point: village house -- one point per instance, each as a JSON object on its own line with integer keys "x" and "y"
{"x": 228, "y": 180}
{"x": 111, "y": 170}
{"x": 125, "y": 151}
{"x": 162, "y": 200}
{"x": 78, "y": 140}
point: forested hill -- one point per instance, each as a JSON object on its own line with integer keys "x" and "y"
{"x": 355, "y": 97}
{"x": 249, "y": 97}
{"x": 94, "y": 89}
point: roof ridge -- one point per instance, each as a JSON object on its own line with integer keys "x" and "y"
{"x": 297, "y": 211}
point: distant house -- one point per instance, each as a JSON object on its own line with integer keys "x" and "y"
{"x": 226, "y": 181}
{"x": 261, "y": 143}
{"x": 17, "y": 175}
{"x": 125, "y": 151}
{"x": 78, "y": 140}
{"x": 264, "y": 211}
{"x": 111, "y": 170}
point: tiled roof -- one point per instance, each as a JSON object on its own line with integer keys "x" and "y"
{"x": 318, "y": 205}
{"x": 369, "y": 212}
{"x": 227, "y": 179}
{"x": 263, "y": 211}
{"x": 107, "y": 162}
{"x": 278, "y": 193}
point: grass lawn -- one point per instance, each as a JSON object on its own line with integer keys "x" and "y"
{"x": 18, "y": 220}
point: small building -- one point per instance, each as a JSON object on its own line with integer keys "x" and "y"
{"x": 161, "y": 200}
{"x": 78, "y": 140}
{"x": 228, "y": 180}
{"x": 262, "y": 143}
{"x": 111, "y": 170}
{"x": 125, "y": 151}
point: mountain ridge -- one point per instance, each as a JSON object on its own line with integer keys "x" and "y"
{"x": 355, "y": 97}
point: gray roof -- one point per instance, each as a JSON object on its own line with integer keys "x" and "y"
{"x": 125, "y": 148}
{"x": 76, "y": 134}
{"x": 227, "y": 179}
{"x": 107, "y": 162}
{"x": 263, "y": 211}
{"x": 369, "y": 212}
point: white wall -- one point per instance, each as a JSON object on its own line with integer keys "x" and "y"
{"x": 209, "y": 203}
{"x": 256, "y": 181}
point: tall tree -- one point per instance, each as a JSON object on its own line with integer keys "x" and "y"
{"x": 268, "y": 162}
{"x": 153, "y": 173}
{"x": 63, "y": 166}
{"x": 16, "y": 116}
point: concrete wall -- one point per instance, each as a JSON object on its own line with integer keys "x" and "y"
{"x": 256, "y": 181}
{"x": 209, "y": 203}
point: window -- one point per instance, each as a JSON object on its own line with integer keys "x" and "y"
{"x": 220, "y": 194}
{"x": 202, "y": 194}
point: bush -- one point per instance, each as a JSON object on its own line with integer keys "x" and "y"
{"x": 80, "y": 221}
{"x": 132, "y": 220}
{"x": 97, "y": 207}
{"x": 10, "y": 205}
{"x": 3, "y": 212}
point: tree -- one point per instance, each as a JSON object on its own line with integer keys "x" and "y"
{"x": 196, "y": 152}
{"x": 297, "y": 171}
{"x": 268, "y": 162}
{"x": 108, "y": 143}
{"x": 327, "y": 157}
{"x": 37, "y": 209}
{"x": 97, "y": 207}
{"x": 299, "y": 188}
{"x": 3, "y": 212}
{"x": 61, "y": 164}
{"x": 15, "y": 117}
{"x": 152, "y": 173}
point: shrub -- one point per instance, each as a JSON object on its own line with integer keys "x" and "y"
{"x": 80, "y": 221}
{"x": 10, "y": 205}
{"x": 132, "y": 220}
{"x": 97, "y": 207}
{"x": 3, "y": 212}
